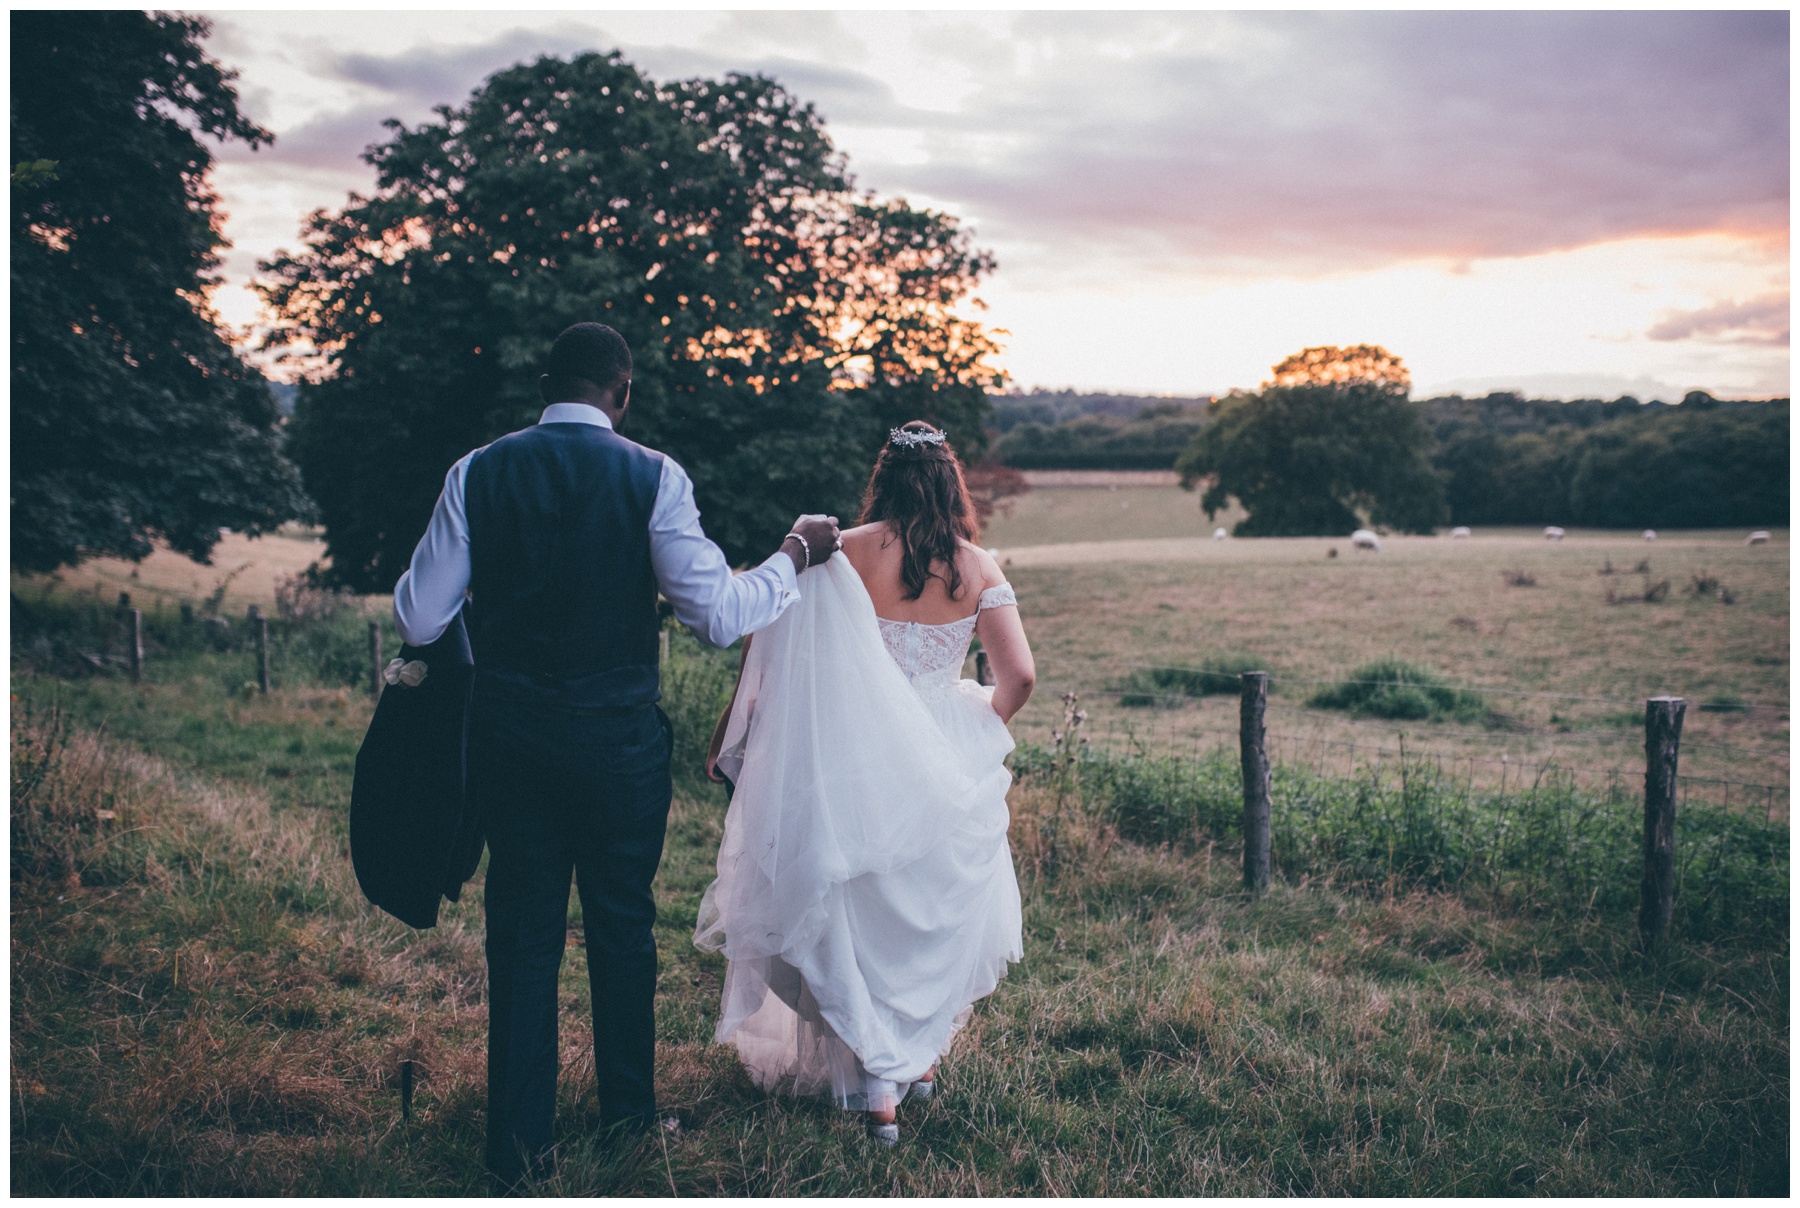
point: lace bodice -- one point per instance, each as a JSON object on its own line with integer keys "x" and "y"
{"x": 923, "y": 649}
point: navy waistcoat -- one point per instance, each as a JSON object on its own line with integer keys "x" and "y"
{"x": 562, "y": 594}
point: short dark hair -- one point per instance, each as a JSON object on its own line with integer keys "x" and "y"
{"x": 590, "y": 352}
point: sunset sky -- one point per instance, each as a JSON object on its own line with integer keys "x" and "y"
{"x": 1561, "y": 203}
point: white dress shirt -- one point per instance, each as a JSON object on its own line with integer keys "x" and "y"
{"x": 691, "y": 571}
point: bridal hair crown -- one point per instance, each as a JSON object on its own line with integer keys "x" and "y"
{"x": 913, "y": 439}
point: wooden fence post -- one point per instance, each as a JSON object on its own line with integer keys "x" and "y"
{"x": 262, "y": 654}
{"x": 1254, "y": 756}
{"x": 374, "y": 660}
{"x": 662, "y": 646}
{"x": 1662, "y": 752}
{"x": 136, "y": 651}
{"x": 984, "y": 674}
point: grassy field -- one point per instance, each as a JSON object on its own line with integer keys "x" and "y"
{"x": 1097, "y": 611}
{"x": 203, "y": 1005}
{"x": 1059, "y": 515}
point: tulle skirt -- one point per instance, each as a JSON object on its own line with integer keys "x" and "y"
{"x": 866, "y": 897}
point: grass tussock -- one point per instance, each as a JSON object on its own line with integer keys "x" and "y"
{"x": 1218, "y": 674}
{"x": 1401, "y": 691}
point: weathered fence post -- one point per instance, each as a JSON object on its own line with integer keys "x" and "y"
{"x": 984, "y": 674}
{"x": 187, "y": 613}
{"x": 136, "y": 650}
{"x": 262, "y": 654}
{"x": 374, "y": 660}
{"x": 1254, "y": 755}
{"x": 1662, "y": 752}
{"x": 406, "y": 1090}
{"x": 662, "y": 645}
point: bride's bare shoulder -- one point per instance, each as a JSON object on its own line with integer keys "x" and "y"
{"x": 980, "y": 565}
{"x": 866, "y": 532}
{"x": 864, "y": 544}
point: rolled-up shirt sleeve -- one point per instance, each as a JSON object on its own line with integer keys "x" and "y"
{"x": 431, "y": 592}
{"x": 692, "y": 572}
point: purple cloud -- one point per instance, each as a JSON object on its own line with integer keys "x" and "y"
{"x": 1292, "y": 141}
{"x": 1339, "y": 138}
{"x": 1761, "y": 320}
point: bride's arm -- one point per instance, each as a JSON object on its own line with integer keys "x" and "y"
{"x": 1009, "y": 658}
{"x": 718, "y": 738}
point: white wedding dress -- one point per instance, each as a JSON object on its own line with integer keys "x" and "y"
{"x": 866, "y": 896}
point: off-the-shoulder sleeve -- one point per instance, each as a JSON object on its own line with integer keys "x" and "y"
{"x": 997, "y": 597}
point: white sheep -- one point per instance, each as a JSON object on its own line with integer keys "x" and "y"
{"x": 1759, "y": 537}
{"x": 1552, "y": 533}
{"x": 1649, "y": 534}
{"x": 1459, "y": 532}
{"x": 1219, "y": 534}
{"x": 1364, "y": 539}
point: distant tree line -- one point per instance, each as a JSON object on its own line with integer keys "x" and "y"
{"x": 1011, "y": 408}
{"x": 1148, "y": 437}
{"x": 1502, "y": 459}
{"x": 1618, "y": 464}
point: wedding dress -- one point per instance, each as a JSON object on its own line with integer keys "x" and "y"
{"x": 866, "y": 896}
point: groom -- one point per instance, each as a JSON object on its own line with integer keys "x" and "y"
{"x": 561, "y": 536}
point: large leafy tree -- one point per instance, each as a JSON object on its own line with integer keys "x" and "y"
{"x": 1330, "y": 442}
{"x": 779, "y": 320}
{"x": 132, "y": 417}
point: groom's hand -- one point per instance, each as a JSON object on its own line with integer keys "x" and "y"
{"x": 820, "y": 534}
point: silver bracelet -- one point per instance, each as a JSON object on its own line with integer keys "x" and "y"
{"x": 805, "y": 551}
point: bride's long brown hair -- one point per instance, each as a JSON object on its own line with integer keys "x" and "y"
{"x": 919, "y": 489}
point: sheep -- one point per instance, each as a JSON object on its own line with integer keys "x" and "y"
{"x": 1219, "y": 534}
{"x": 1649, "y": 534}
{"x": 1552, "y": 533}
{"x": 1759, "y": 537}
{"x": 1364, "y": 539}
{"x": 1459, "y": 532}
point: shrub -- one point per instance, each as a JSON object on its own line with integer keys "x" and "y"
{"x": 1168, "y": 686}
{"x": 1401, "y": 691}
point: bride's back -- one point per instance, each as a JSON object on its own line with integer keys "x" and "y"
{"x": 875, "y": 551}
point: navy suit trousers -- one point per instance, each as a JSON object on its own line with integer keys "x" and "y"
{"x": 567, "y": 792}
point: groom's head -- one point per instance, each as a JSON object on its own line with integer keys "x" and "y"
{"x": 589, "y": 363}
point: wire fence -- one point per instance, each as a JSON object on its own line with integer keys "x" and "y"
{"x": 1478, "y": 689}
{"x": 1384, "y": 805}
{"x": 1303, "y": 737}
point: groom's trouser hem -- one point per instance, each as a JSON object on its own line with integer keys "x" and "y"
{"x": 567, "y": 793}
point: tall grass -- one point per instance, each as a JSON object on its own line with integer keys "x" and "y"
{"x": 1548, "y": 845}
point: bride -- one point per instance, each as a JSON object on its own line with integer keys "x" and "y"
{"x": 866, "y": 897}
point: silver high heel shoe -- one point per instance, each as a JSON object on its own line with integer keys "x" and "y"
{"x": 885, "y": 1135}
{"x": 922, "y": 1089}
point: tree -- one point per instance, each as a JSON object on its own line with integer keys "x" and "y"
{"x": 132, "y": 417}
{"x": 779, "y": 321}
{"x": 1331, "y": 435}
